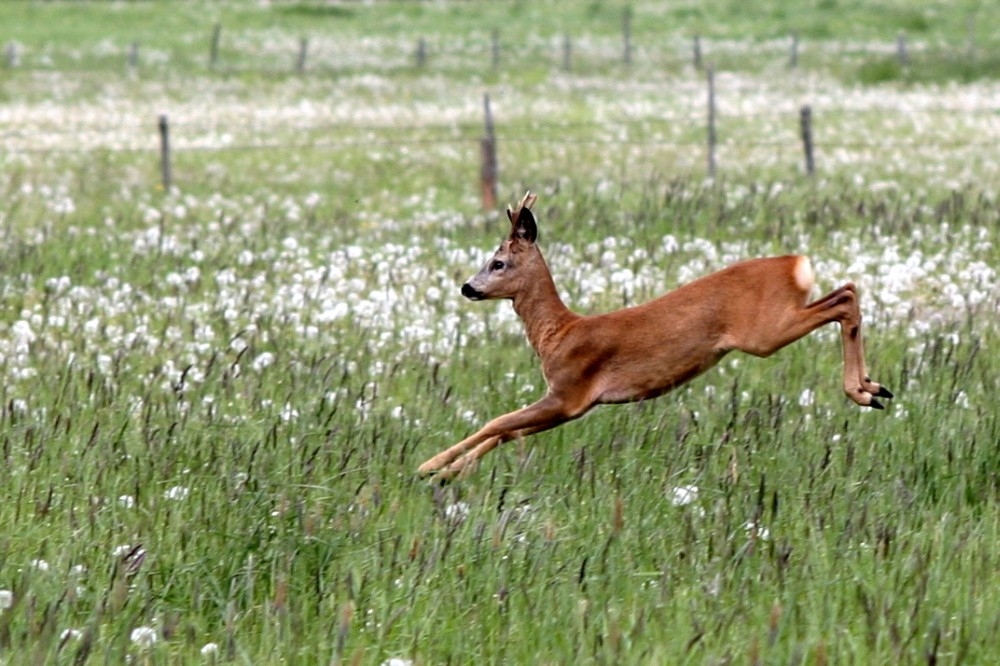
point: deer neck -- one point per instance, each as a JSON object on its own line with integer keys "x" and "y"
{"x": 543, "y": 313}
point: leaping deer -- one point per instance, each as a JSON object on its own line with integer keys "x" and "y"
{"x": 641, "y": 352}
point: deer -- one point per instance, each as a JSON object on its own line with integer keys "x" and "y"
{"x": 640, "y": 352}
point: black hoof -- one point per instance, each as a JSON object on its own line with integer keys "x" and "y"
{"x": 875, "y": 404}
{"x": 883, "y": 392}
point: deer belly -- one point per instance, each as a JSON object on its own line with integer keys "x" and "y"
{"x": 645, "y": 381}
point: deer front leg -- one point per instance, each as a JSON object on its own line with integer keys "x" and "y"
{"x": 470, "y": 458}
{"x": 547, "y": 413}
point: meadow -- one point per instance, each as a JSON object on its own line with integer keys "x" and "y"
{"x": 216, "y": 394}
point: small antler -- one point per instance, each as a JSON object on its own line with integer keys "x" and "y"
{"x": 527, "y": 201}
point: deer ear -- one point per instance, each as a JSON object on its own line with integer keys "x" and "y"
{"x": 522, "y": 222}
{"x": 523, "y": 226}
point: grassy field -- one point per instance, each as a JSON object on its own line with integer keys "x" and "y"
{"x": 215, "y": 397}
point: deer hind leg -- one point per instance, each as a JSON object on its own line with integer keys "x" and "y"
{"x": 841, "y": 306}
{"x": 542, "y": 415}
{"x": 857, "y": 384}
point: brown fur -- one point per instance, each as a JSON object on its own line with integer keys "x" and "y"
{"x": 756, "y": 306}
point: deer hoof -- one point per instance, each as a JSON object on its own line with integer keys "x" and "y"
{"x": 883, "y": 392}
{"x": 875, "y": 404}
{"x": 424, "y": 471}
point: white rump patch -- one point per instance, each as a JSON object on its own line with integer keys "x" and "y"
{"x": 803, "y": 274}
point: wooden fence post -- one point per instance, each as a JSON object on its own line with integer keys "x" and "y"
{"x": 696, "y": 51}
{"x": 167, "y": 176}
{"x": 300, "y": 62}
{"x": 133, "y": 57}
{"x": 495, "y": 49}
{"x": 213, "y": 49}
{"x": 567, "y": 53}
{"x": 901, "y": 54}
{"x": 421, "y": 54}
{"x": 805, "y": 121}
{"x": 711, "y": 123}
{"x": 627, "y": 35}
{"x": 793, "y": 52}
{"x": 970, "y": 37}
{"x": 488, "y": 171}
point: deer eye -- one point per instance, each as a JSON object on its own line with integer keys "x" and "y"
{"x": 497, "y": 265}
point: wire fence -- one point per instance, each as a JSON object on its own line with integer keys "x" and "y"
{"x": 719, "y": 147}
{"x": 651, "y": 46}
{"x": 708, "y": 120}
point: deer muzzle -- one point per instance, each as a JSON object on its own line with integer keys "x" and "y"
{"x": 472, "y": 293}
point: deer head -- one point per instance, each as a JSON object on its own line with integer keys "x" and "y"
{"x": 514, "y": 263}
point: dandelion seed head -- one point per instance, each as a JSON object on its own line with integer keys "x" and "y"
{"x": 144, "y": 637}
{"x": 683, "y": 495}
{"x": 176, "y": 493}
{"x": 456, "y": 511}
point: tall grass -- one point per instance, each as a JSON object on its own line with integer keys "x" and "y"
{"x": 215, "y": 398}
{"x": 196, "y": 452}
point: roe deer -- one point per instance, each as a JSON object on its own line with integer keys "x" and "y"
{"x": 756, "y": 306}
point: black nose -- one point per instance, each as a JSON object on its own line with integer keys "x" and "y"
{"x": 471, "y": 292}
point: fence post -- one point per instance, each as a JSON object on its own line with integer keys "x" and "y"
{"x": 567, "y": 53}
{"x": 970, "y": 37}
{"x": 133, "y": 57}
{"x": 627, "y": 35}
{"x": 213, "y": 49}
{"x": 488, "y": 171}
{"x": 901, "y": 54}
{"x": 167, "y": 177}
{"x": 696, "y": 51}
{"x": 793, "y": 53}
{"x": 805, "y": 121}
{"x": 495, "y": 48}
{"x": 10, "y": 54}
{"x": 300, "y": 62}
{"x": 711, "y": 123}
{"x": 421, "y": 55}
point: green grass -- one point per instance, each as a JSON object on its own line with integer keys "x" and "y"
{"x": 215, "y": 398}
{"x": 308, "y": 536}
{"x": 96, "y": 36}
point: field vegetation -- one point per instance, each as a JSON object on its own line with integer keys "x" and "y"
{"x": 215, "y": 395}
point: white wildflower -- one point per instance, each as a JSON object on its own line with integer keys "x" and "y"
{"x": 22, "y": 333}
{"x": 263, "y": 360}
{"x": 756, "y": 530}
{"x": 144, "y": 637}
{"x": 6, "y": 599}
{"x": 807, "y": 397}
{"x": 209, "y": 649}
{"x": 456, "y": 511}
{"x": 289, "y": 413}
{"x": 683, "y": 495}
{"x": 176, "y": 493}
